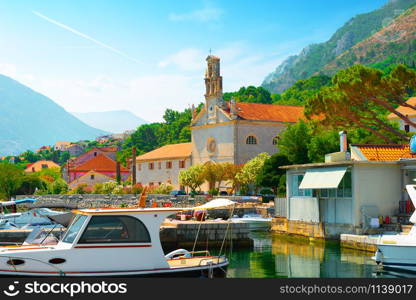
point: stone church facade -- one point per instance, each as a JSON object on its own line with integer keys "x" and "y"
{"x": 227, "y": 131}
{"x": 235, "y": 132}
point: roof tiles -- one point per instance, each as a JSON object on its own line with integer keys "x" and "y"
{"x": 182, "y": 150}
{"x": 385, "y": 152}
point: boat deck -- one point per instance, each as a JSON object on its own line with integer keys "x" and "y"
{"x": 195, "y": 261}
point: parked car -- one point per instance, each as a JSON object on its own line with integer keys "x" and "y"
{"x": 176, "y": 193}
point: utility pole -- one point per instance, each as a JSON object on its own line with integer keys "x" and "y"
{"x": 133, "y": 167}
{"x": 118, "y": 175}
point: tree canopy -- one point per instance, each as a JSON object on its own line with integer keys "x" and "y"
{"x": 270, "y": 174}
{"x": 361, "y": 97}
{"x": 11, "y": 178}
{"x": 250, "y": 94}
{"x": 147, "y": 137}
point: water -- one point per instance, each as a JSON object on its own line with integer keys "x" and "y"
{"x": 275, "y": 256}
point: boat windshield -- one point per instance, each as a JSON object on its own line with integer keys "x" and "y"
{"x": 73, "y": 230}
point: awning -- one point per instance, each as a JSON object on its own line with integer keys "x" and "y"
{"x": 214, "y": 204}
{"x": 323, "y": 178}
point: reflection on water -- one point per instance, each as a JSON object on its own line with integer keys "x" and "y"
{"x": 275, "y": 255}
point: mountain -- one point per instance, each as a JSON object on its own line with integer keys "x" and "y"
{"x": 116, "y": 121}
{"x": 29, "y": 120}
{"x": 393, "y": 44}
{"x": 315, "y": 57}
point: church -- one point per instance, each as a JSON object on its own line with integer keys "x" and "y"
{"x": 223, "y": 131}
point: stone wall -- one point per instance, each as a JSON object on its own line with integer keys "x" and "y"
{"x": 211, "y": 234}
{"x": 81, "y": 201}
{"x": 312, "y": 229}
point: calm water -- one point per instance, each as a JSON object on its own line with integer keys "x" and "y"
{"x": 274, "y": 256}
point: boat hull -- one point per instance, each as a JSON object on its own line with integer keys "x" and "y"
{"x": 219, "y": 271}
{"x": 254, "y": 224}
{"x": 397, "y": 257}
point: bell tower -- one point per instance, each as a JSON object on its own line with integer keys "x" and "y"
{"x": 213, "y": 86}
{"x": 213, "y": 79}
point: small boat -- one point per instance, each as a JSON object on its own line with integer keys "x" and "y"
{"x": 256, "y": 222}
{"x": 109, "y": 242}
{"x": 28, "y": 219}
{"x": 398, "y": 251}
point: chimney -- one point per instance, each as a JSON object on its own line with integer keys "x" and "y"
{"x": 343, "y": 141}
{"x": 233, "y": 108}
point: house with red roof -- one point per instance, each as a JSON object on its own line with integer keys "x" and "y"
{"x": 406, "y": 111}
{"x": 99, "y": 163}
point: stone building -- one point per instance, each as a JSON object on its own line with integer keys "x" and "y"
{"x": 163, "y": 165}
{"x": 90, "y": 179}
{"x": 235, "y": 132}
{"x": 221, "y": 132}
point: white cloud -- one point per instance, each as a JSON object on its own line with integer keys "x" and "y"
{"x": 206, "y": 14}
{"x": 8, "y": 70}
{"x": 185, "y": 60}
{"x": 84, "y": 36}
{"x": 176, "y": 84}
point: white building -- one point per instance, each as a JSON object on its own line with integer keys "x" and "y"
{"x": 327, "y": 199}
{"x": 163, "y": 165}
{"x": 408, "y": 112}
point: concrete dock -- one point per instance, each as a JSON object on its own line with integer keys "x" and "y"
{"x": 359, "y": 242}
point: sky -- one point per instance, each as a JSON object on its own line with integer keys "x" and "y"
{"x": 146, "y": 56}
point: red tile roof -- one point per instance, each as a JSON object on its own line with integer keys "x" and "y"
{"x": 76, "y": 161}
{"x": 407, "y": 111}
{"x": 182, "y": 150}
{"x": 99, "y": 163}
{"x": 269, "y": 112}
{"x": 385, "y": 152}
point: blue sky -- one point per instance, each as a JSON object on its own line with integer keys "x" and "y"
{"x": 146, "y": 56}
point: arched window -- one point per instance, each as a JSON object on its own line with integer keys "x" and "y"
{"x": 275, "y": 140}
{"x": 251, "y": 140}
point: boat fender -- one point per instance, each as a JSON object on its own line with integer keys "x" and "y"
{"x": 176, "y": 254}
{"x": 379, "y": 256}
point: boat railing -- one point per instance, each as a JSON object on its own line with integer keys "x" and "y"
{"x": 210, "y": 261}
{"x": 206, "y": 252}
{"x": 61, "y": 273}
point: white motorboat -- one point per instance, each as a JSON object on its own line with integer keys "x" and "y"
{"x": 399, "y": 251}
{"x": 256, "y": 222}
{"x": 109, "y": 242}
{"x": 28, "y": 219}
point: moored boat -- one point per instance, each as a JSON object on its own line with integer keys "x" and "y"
{"x": 399, "y": 251}
{"x": 255, "y": 222}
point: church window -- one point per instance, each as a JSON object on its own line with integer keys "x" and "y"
{"x": 168, "y": 165}
{"x": 275, "y": 140}
{"x": 182, "y": 164}
{"x": 251, "y": 140}
{"x": 151, "y": 166}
